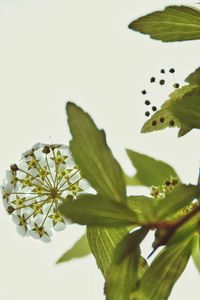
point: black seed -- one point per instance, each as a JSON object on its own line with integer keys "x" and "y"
{"x": 10, "y": 209}
{"x": 174, "y": 181}
{"x": 147, "y": 113}
{"x": 46, "y": 150}
{"x": 162, "y": 81}
{"x": 14, "y": 168}
{"x": 172, "y": 123}
{"x": 162, "y": 71}
{"x": 144, "y": 92}
{"x": 176, "y": 85}
{"x": 153, "y": 79}
{"x": 147, "y": 102}
{"x": 172, "y": 70}
{"x": 154, "y": 122}
{"x": 154, "y": 108}
{"x": 162, "y": 119}
{"x": 167, "y": 182}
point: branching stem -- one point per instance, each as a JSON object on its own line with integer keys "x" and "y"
{"x": 168, "y": 225}
{"x": 171, "y": 227}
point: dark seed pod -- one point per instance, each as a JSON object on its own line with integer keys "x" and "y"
{"x": 162, "y": 119}
{"x": 46, "y": 150}
{"x": 147, "y": 113}
{"x": 154, "y": 108}
{"x": 162, "y": 71}
{"x": 10, "y": 209}
{"x": 162, "y": 82}
{"x": 153, "y": 79}
{"x": 147, "y": 102}
{"x": 176, "y": 85}
{"x": 154, "y": 122}
{"x": 174, "y": 181}
{"x": 172, "y": 70}
{"x": 14, "y": 168}
{"x": 167, "y": 182}
{"x": 172, "y": 123}
{"x": 144, "y": 92}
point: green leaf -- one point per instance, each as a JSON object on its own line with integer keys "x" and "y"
{"x": 160, "y": 277}
{"x": 129, "y": 244}
{"x": 102, "y": 242}
{"x": 149, "y": 170}
{"x": 194, "y": 78}
{"x": 174, "y": 23}
{"x": 187, "y": 110}
{"x": 132, "y": 180}
{"x": 78, "y": 250}
{"x": 166, "y": 114}
{"x": 196, "y": 251}
{"x": 92, "y": 154}
{"x": 186, "y": 231}
{"x": 122, "y": 277}
{"x": 94, "y": 210}
{"x": 180, "y": 197}
{"x": 126, "y": 261}
{"x": 144, "y": 208}
{"x": 183, "y": 131}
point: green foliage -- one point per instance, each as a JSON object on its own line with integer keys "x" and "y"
{"x": 118, "y": 254}
{"x": 186, "y": 231}
{"x": 144, "y": 207}
{"x": 187, "y": 110}
{"x": 175, "y": 23}
{"x": 94, "y": 210}
{"x": 126, "y": 260}
{"x": 194, "y": 78}
{"x": 196, "y": 251}
{"x": 169, "y": 264}
{"x": 177, "y": 199}
{"x": 170, "y": 211}
{"x": 78, "y": 250}
{"x": 102, "y": 242}
{"x": 149, "y": 170}
{"x": 166, "y": 268}
{"x": 91, "y": 152}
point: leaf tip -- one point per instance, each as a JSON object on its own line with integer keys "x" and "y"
{"x": 143, "y": 129}
{"x": 70, "y": 105}
{"x": 131, "y": 25}
{"x": 57, "y": 262}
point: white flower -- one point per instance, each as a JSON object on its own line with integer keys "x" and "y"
{"x": 33, "y": 189}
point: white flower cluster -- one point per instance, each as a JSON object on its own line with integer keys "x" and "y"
{"x": 33, "y": 189}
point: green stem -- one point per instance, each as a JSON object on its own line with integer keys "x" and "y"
{"x": 46, "y": 179}
{"x": 46, "y": 158}
{"x": 42, "y": 186}
{"x": 48, "y": 212}
{"x": 67, "y": 179}
{"x": 56, "y": 167}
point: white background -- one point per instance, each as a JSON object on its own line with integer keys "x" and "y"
{"x": 80, "y": 50}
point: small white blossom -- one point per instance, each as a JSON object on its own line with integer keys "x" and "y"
{"x": 33, "y": 189}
